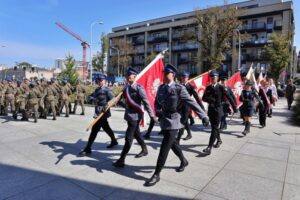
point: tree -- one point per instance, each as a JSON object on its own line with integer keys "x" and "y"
{"x": 278, "y": 54}
{"x": 99, "y": 58}
{"x": 70, "y": 72}
{"x": 126, "y": 49}
{"x": 217, "y": 27}
{"x": 150, "y": 57}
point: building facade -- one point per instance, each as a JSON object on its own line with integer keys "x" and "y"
{"x": 259, "y": 18}
{"x": 20, "y": 73}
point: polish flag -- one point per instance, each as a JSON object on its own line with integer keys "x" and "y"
{"x": 236, "y": 84}
{"x": 151, "y": 78}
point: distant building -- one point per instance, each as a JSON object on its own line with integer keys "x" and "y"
{"x": 20, "y": 73}
{"x": 260, "y": 18}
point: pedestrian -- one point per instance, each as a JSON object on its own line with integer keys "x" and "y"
{"x": 289, "y": 93}
{"x": 134, "y": 95}
{"x": 213, "y": 95}
{"x": 101, "y": 97}
{"x": 248, "y": 97}
{"x": 169, "y": 99}
{"x": 265, "y": 105}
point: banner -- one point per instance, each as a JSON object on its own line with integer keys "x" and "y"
{"x": 152, "y": 78}
{"x": 235, "y": 82}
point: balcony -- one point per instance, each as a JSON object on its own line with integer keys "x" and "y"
{"x": 139, "y": 50}
{"x": 278, "y": 25}
{"x": 184, "y": 60}
{"x": 161, "y": 38}
{"x": 251, "y": 57}
{"x": 255, "y": 43}
{"x": 157, "y": 49}
{"x": 138, "y": 41}
{"x": 255, "y": 27}
{"x": 138, "y": 63}
{"x": 182, "y": 47}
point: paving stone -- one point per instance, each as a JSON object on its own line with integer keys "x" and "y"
{"x": 293, "y": 174}
{"x": 291, "y": 192}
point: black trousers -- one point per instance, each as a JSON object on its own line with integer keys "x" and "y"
{"x": 215, "y": 131}
{"x": 102, "y": 123}
{"x": 133, "y": 131}
{"x": 169, "y": 142}
{"x": 262, "y": 115}
{"x": 151, "y": 125}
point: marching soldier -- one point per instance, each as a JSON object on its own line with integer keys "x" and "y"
{"x": 64, "y": 97}
{"x": 289, "y": 93}
{"x": 21, "y": 94}
{"x": 213, "y": 95}
{"x": 9, "y": 97}
{"x": 40, "y": 85}
{"x": 169, "y": 99}
{"x": 50, "y": 94}
{"x": 33, "y": 101}
{"x": 134, "y": 95}
{"x": 226, "y": 102}
{"x": 186, "y": 112}
{"x": 2, "y": 86}
{"x": 80, "y": 93}
{"x": 101, "y": 97}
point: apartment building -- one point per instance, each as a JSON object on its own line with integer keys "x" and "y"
{"x": 259, "y": 18}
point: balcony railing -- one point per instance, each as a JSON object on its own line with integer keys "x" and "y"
{"x": 184, "y": 47}
{"x": 157, "y": 49}
{"x": 184, "y": 60}
{"x": 139, "y": 50}
{"x": 138, "y": 41}
{"x": 160, "y": 38}
{"x": 254, "y": 27}
{"x": 138, "y": 62}
{"x": 251, "y": 57}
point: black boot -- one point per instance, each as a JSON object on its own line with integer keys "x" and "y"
{"x": 144, "y": 152}
{"x": 207, "y": 150}
{"x": 182, "y": 166}
{"x": 188, "y": 137}
{"x": 119, "y": 163}
{"x": 192, "y": 121}
{"x": 246, "y": 128}
{"x": 147, "y": 135}
{"x": 152, "y": 181}
{"x": 218, "y": 144}
{"x": 112, "y": 144}
{"x": 180, "y": 133}
{"x": 85, "y": 152}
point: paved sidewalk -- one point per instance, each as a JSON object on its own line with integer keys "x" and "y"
{"x": 39, "y": 161}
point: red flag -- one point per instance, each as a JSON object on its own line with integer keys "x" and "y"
{"x": 151, "y": 78}
{"x": 235, "y": 82}
{"x": 200, "y": 83}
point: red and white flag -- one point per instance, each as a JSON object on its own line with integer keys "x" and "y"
{"x": 151, "y": 78}
{"x": 200, "y": 83}
{"x": 235, "y": 82}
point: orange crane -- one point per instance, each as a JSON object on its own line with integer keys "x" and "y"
{"x": 84, "y": 45}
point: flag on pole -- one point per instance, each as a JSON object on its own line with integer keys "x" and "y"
{"x": 200, "y": 83}
{"x": 251, "y": 76}
{"x": 235, "y": 82}
{"x": 151, "y": 78}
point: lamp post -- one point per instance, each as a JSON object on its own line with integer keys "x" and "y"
{"x": 239, "y": 58}
{"x": 118, "y": 51}
{"x": 91, "y": 48}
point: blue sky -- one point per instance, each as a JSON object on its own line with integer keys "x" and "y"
{"x": 28, "y": 31}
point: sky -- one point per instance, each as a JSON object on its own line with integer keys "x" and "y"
{"x": 28, "y": 31}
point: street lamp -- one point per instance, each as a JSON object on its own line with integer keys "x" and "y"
{"x": 239, "y": 59}
{"x": 91, "y": 46}
{"x": 118, "y": 51}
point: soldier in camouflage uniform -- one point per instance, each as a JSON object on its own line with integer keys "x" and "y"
{"x": 9, "y": 97}
{"x": 50, "y": 94}
{"x": 33, "y": 101}
{"x": 2, "y": 86}
{"x": 80, "y": 93}
{"x": 64, "y": 96}
{"x": 21, "y": 93}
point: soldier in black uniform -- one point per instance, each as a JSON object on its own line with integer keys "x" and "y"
{"x": 264, "y": 107}
{"x": 134, "y": 95}
{"x": 101, "y": 97}
{"x": 248, "y": 97}
{"x": 186, "y": 111}
{"x": 213, "y": 95}
{"x": 226, "y": 102}
{"x": 169, "y": 99}
{"x": 289, "y": 93}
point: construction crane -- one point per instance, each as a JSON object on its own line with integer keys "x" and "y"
{"x": 84, "y": 45}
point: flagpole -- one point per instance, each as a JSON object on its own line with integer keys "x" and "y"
{"x": 114, "y": 100}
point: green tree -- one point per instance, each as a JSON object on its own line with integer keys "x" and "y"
{"x": 70, "y": 72}
{"x": 217, "y": 26}
{"x": 150, "y": 57}
{"x": 278, "y": 54}
{"x": 98, "y": 59}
